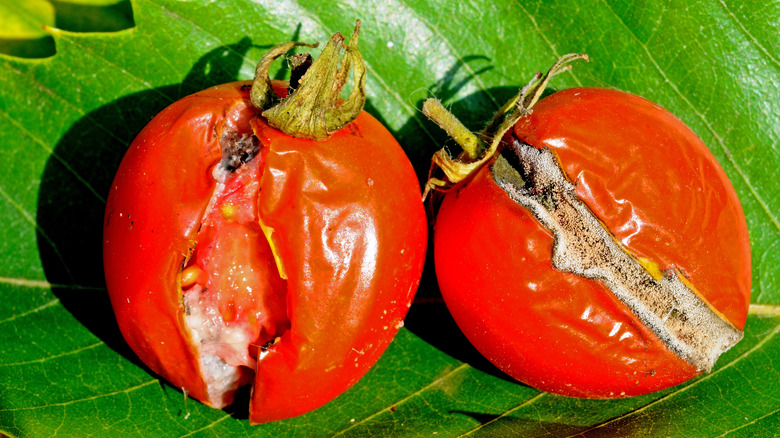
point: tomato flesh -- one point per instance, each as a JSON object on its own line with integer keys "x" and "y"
{"x": 239, "y": 300}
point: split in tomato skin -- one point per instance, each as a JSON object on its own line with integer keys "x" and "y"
{"x": 683, "y": 213}
{"x": 660, "y": 193}
{"x": 329, "y": 236}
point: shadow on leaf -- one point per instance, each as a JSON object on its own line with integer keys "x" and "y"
{"x": 420, "y": 137}
{"x": 492, "y": 425}
{"x": 429, "y": 318}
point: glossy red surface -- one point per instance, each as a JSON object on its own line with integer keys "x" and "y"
{"x": 659, "y": 191}
{"x": 349, "y": 230}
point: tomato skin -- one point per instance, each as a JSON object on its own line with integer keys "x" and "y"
{"x": 660, "y": 192}
{"x": 352, "y": 233}
{"x": 349, "y": 229}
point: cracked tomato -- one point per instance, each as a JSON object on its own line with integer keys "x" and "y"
{"x": 600, "y": 252}
{"x": 237, "y": 254}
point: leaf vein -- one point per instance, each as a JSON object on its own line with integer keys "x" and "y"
{"x": 549, "y": 43}
{"x": 206, "y": 427}
{"x": 764, "y": 310}
{"x": 196, "y": 26}
{"x": 31, "y": 311}
{"x": 407, "y": 398}
{"x": 748, "y": 34}
{"x": 507, "y": 413}
{"x": 85, "y": 399}
{"x": 56, "y": 356}
{"x": 123, "y": 71}
{"x": 48, "y": 149}
{"x": 750, "y": 423}
{"x": 43, "y": 284}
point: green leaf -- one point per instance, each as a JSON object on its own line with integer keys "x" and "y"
{"x": 66, "y": 120}
{"x": 22, "y": 23}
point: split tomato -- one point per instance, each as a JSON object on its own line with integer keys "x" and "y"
{"x": 600, "y": 253}
{"x": 235, "y": 253}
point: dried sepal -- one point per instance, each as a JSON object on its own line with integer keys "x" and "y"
{"x": 476, "y": 151}
{"x": 315, "y": 110}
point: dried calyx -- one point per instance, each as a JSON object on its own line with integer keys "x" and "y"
{"x": 665, "y": 302}
{"x": 480, "y": 150}
{"x": 314, "y": 108}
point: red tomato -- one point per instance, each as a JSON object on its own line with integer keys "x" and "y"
{"x": 659, "y": 192}
{"x": 290, "y": 266}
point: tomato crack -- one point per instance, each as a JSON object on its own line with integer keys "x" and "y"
{"x": 668, "y": 303}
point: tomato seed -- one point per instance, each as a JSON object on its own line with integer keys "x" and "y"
{"x": 190, "y": 275}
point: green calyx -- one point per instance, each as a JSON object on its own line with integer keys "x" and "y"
{"x": 478, "y": 150}
{"x": 314, "y": 109}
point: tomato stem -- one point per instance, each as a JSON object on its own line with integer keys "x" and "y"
{"x": 476, "y": 152}
{"x": 314, "y": 109}
{"x": 470, "y": 143}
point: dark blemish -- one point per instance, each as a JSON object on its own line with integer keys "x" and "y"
{"x": 237, "y": 149}
{"x": 246, "y": 87}
{"x": 299, "y": 65}
{"x": 355, "y": 130}
{"x": 547, "y": 199}
{"x": 269, "y": 344}
{"x": 393, "y": 408}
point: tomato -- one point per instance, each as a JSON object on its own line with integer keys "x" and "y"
{"x": 558, "y": 322}
{"x": 235, "y": 253}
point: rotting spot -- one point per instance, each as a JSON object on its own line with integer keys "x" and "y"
{"x": 237, "y": 149}
{"x": 669, "y": 306}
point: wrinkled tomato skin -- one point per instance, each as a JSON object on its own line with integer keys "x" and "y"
{"x": 660, "y": 192}
{"x": 348, "y": 228}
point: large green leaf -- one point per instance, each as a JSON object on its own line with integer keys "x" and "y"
{"x": 66, "y": 120}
